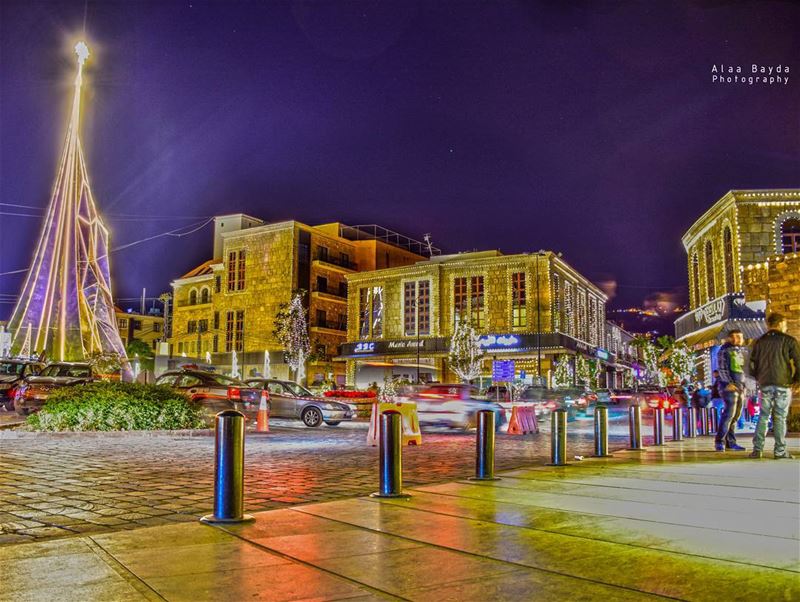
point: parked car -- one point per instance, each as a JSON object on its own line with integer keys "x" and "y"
{"x": 12, "y": 374}
{"x": 290, "y": 400}
{"x": 213, "y": 392}
{"x": 34, "y": 390}
{"x": 453, "y": 406}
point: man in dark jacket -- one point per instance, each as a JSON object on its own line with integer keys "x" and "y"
{"x": 731, "y": 383}
{"x": 775, "y": 364}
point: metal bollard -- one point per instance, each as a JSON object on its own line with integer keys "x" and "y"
{"x": 228, "y": 469}
{"x": 484, "y": 448}
{"x": 703, "y": 427}
{"x": 558, "y": 438}
{"x": 691, "y": 423}
{"x": 635, "y": 426}
{"x": 677, "y": 424}
{"x": 714, "y": 419}
{"x": 601, "y": 432}
{"x": 658, "y": 426}
{"x": 391, "y": 463}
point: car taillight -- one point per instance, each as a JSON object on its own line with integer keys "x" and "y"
{"x": 234, "y": 393}
{"x": 12, "y": 392}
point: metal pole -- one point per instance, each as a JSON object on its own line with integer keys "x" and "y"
{"x": 635, "y": 426}
{"x": 484, "y": 449}
{"x": 677, "y": 424}
{"x": 538, "y": 322}
{"x": 391, "y": 464}
{"x": 658, "y": 426}
{"x": 691, "y": 423}
{"x": 712, "y": 411}
{"x": 228, "y": 469}
{"x": 558, "y": 438}
{"x": 703, "y": 430}
{"x": 601, "y": 432}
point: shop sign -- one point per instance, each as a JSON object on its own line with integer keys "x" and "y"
{"x": 504, "y": 341}
{"x": 602, "y": 354}
{"x": 502, "y": 370}
{"x": 364, "y": 348}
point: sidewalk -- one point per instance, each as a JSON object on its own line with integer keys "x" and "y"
{"x": 680, "y": 522}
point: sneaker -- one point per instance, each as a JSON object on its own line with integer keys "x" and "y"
{"x": 719, "y": 447}
{"x": 735, "y": 447}
{"x": 784, "y": 456}
{"x": 756, "y": 454}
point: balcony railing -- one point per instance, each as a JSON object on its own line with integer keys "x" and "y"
{"x": 329, "y": 290}
{"x": 331, "y": 325}
{"x": 337, "y": 261}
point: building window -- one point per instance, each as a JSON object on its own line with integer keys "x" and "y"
{"x": 240, "y": 330}
{"x": 476, "y": 301}
{"x": 321, "y": 318}
{"x": 343, "y": 290}
{"x": 710, "y": 288}
{"x": 156, "y": 327}
{"x": 191, "y": 326}
{"x": 236, "y": 270}
{"x": 459, "y": 298}
{"x": 229, "y": 326}
{"x": 215, "y": 343}
{"x": 696, "y": 278}
{"x": 205, "y": 295}
{"x": 519, "y": 310}
{"x": 322, "y": 284}
{"x": 180, "y": 347}
{"x": 344, "y": 259}
{"x": 370, "y": 312}
{"x": 556, "y": 302}
{"x": 202, "y": 325}
{"x": 217, "y": 284}
{"x": 193, "y": 297}
{"x": 569, "y": 308}
{"x": 790, "y": 235}
{"x": 216, "y": 320}
{"x": 727, "y": 251}
{"x": 322, "y": 253}
{"x": 122, "y": 323}
{"x": 417, "y": 308}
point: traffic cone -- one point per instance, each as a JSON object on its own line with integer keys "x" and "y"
{"x": 262, "y": 419}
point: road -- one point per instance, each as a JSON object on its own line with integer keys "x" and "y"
{"x": 56, "y": 485}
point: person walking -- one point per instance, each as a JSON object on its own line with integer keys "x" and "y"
{"x": 775, "y": 364}
{"x": 730, "y": 363}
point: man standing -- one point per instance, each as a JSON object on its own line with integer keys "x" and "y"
{"x": 775, "y": 364}
{"x": 731, "y": 383}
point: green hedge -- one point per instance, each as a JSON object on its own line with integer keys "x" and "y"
{"x": 793, "y": 422}
{"x": 116, "y": 406}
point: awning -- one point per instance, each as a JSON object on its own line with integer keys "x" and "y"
{"x": 716, "y": 334}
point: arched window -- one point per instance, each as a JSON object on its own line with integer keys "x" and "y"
{"x": 205, "y": 295}
{"x": 727, "y": 251}
{"x": 193, "y": 297}
{"x": 711, "y": 289}
{"x": 696, "y": 279}
{"x": 790, "y": 235}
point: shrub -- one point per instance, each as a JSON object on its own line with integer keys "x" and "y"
{"x": 116, "y": 406}
{"x": 793, "y": 422}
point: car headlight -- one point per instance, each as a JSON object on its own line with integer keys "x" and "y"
{"x": 5, "y": 386}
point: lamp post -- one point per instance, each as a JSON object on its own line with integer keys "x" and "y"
{"x": 538, "y": 323}
{"x": 415, "y": 305}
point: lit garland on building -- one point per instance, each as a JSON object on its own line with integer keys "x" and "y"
{"x": 66, "y": 298}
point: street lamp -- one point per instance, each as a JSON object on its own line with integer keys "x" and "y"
{"x": 539, "y": 253}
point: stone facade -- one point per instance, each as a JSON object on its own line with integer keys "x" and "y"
{"x": 278, "y": 260}
{"x": 568, "y": 304}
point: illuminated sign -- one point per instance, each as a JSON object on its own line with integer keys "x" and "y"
{"x": 602, "y": 354}
{"x": 503, "y": 370}
{"x": 490, "y": 340}
{"x": 364, "y": 348}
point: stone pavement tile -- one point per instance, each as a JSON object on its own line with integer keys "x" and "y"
{"x": 174, "y": 535}
{"x": 225, "y": 555}
{"x": 277, "y": 523}
{"x": 309, "y": 547}
{"x": 55, "y": 570}
{"x": 277, "y": 583}
{"x": 525, "y": 584}
{"x": 398, "y": 571}
{"x": 57, "y": 547}
{"x": 113, "y": 589}
{"x": 775, "y": 552}
{"x": 646, "y": 570}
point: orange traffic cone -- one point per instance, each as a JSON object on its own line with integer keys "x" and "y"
{"x": 262, "y": 419}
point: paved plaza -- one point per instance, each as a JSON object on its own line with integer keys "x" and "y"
{"x": 678, "y": 522}
{"x": 57, "y": 485}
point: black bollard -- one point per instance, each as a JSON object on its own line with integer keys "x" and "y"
{"x": 601, "y": 432}
{"x": 691, "y": 423}
{"x": 228, "y": 469}
{"x": 703, "y": 428}
{"x": 658, "y": 426}
{"x": 391, "y": 463}
{"x": 677, "y": 424}
{"x": 635, "y": 427}
{"x": 558, "y": 438}
{"x": 714, "y": 419}
{"x": 484, "y": 447}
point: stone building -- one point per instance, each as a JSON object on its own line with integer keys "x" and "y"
{"x": 148, "y": 328}
{"x": 229, "y": 303}
{"x": 528, "y": 307}
{"x": 741, "y": 264}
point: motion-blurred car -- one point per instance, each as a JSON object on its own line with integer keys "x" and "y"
{"x": 213, "y": 392}
{"x": 662, "y": 400}
{"x": 290, "y": 400}
{"x": 12, "y": 373}
{"x": 32, "y": 393}
{"x": 453, "y": 406}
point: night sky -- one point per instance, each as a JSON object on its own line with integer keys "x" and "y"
{"x": 590, "y": 129}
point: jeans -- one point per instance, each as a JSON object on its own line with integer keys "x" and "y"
{"x": 775, "y": 403}
{"x": 730, "y": 414}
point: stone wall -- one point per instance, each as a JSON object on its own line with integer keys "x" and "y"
{"x": 784, "y": 290}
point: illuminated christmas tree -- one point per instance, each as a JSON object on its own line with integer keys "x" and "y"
{"x": 291, "y": 330}
{"x": 466, "y": 355}
{"x": 66, "y": 298}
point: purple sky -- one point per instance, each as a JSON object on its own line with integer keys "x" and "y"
{"x": 596, "y": 131}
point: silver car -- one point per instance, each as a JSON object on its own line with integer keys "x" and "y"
{"x": 290, "y": 400}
